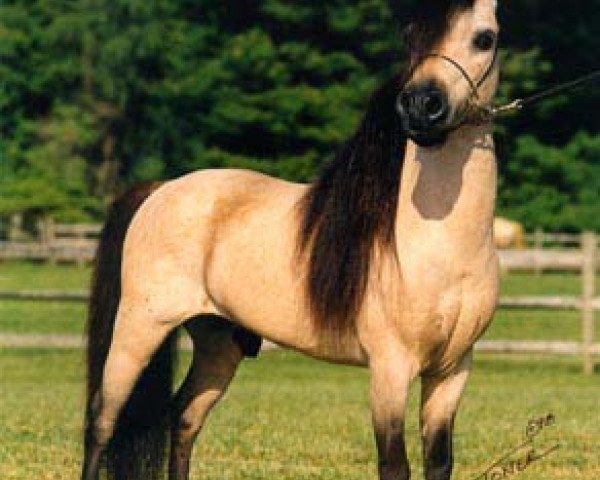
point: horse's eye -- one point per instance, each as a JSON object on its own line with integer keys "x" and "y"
{"x": 485, "y": 40}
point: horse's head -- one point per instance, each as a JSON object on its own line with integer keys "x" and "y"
{"x": 454, "y": 68}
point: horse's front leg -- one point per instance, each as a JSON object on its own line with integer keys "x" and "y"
{"x": 390, "y": 379}
{"x": 440, "y": 396}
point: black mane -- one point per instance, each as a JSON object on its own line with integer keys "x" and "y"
{"x": 350, "y": 207}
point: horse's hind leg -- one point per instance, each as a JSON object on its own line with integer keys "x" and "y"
{"x": 136, "y": 338}
{"x": 215, "y": 360}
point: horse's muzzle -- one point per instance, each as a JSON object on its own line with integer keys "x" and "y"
{"x": 424, "y": 109}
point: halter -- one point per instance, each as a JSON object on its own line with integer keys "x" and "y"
{"x": 475, "y": 112}
{"x": 474, "y": 86}
{"x": 478, "y": 113}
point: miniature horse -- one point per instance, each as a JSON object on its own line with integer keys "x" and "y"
{"x": 387, "y": 260}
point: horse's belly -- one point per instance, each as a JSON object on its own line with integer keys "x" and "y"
{"x": 258, "y": 280}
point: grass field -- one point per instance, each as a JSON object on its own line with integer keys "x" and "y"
{"x": 42, "y": 317}
{"x": 289, "y": 417}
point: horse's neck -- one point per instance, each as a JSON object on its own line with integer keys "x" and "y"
{"x": 449, "y": 193}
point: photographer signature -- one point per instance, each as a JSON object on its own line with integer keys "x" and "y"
{"x": 508, "y": 466}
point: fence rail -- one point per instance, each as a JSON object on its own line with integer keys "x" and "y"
{"x": 541, "y": 259}
{"x": 531, "y": 346}
{"x": 71, "y": 251}
{"x": 539, "y": 238}
{"x": 544, "y": 301}
{"x": 46, "y": 295}
{"x": 55, "y": 242}
{"x": 584, "y": 260}
{"x": 549, "y": 302}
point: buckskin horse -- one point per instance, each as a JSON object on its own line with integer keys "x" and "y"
{"x": 387, "y": 260}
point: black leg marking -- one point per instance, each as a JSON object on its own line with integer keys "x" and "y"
{"x": 438, "y": 454}
{"x": 93, "y": 450}
{"x": 179, "y": 460}
{"x": 393, "y": 462}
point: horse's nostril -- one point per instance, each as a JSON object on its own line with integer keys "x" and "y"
{"x": 434, "y": 106}
{"x": 422, "y": 107}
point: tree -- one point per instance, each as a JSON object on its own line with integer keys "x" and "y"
{"x": 45, "y": 139}
{"x": 97, "y": 94}
{"x": 549, "y": 174}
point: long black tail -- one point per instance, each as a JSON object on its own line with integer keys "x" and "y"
{"x": 137, "y": 448}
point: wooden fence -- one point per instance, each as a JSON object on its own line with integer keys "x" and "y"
{"x": 584, "y": 260}
{"x": 54, "y": 243}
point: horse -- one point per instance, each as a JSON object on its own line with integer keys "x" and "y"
{"x": 386, "y": 261}
{"x": 508, "y": 233}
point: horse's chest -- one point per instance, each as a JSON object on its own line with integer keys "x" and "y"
{"x": 447, "y": 305}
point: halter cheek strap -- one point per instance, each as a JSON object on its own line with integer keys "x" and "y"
{"x": 476, "y": 112}
{"x": 479, "y": 113}
{"x": 460, "y": 68}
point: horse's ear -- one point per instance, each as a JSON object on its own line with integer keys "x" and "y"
{"x": 409, "y": 43}
{"x": 408, "y": 36}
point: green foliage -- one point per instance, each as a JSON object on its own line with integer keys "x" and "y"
{"x": 555, "y": 188}
{"x": 96, "y": 94}
{"x": 50, "y": 175}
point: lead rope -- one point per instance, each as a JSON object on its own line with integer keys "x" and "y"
{"x": 520, "y": 103}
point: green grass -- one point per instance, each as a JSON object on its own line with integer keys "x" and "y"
{"x": 34, "y": 276}
{"x": 43, "y": 317}
{"x": 523, "y": 283}
{"x": 289, "y": 417}
{"x": 18, "y": 316}
{"x": 532, "y": 324}
{"x": 539, "y": 324}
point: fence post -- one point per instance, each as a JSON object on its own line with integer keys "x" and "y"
{"x": 47, "y": 237}
{"x": 15, "y": 229}
{"x": 538, "y": 245}
{"x": 588, "y": 277}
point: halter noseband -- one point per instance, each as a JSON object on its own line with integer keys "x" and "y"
{"x": 474, "y": 86}
{"x": 476, "y": 112}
